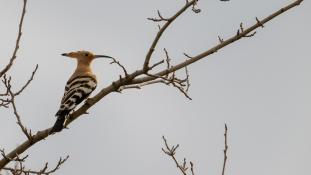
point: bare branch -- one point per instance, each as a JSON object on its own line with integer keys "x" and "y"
{"x": 167, "y": 80}
{"x": 251, "y": 35}
{"x": 156, "y": 64}
{"x": 242, "y": 30}
{"x": 187, "y": 79}
{"x": 43, "y": 171}
{"x": 21, "y": 148}
{"x": 8, "y": 66}
{"x": 220, "y": 40}
{"x": 188, "y": 56}
{"x": 28, "y": 82}
{"x": 114, "y": 61}
{"x": 177, "y": 83}
{"x": 161, "y": 31}
{"x": 17, "y": 157}
{"x": 19, "y": 122}
{"x": 132, "y": 79}
{"x": 225, "y": 151}
{"x": 5, "y": 97}
{"x": 158, "y": 19}
{"x": 219, "y": 46}
{"x": 191, "y": 168}
{"x": 12, "y": 101}
{"x": 259, "y": 23}
{"x": 168, "y": 60}
{"x": 139, "y": 86}
{"x": 5, "y": 82}
{"x": 171, "y": 151}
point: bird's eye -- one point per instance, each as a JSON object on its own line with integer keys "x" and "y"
{"x": 86, "y": 54}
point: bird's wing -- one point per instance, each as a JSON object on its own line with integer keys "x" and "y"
{"x": 76, "y": 90}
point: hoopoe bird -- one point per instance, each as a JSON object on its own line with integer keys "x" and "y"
{"x": 79, "y": 86}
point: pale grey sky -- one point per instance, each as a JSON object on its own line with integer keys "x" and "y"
{"x": 259, "y": 86}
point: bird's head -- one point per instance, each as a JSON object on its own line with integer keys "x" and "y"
{"x": 84, "y": 55}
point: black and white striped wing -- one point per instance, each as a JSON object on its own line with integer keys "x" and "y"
{"x": 76, "y": 90}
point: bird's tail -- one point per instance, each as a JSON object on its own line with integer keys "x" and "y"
{"x": 59, "y": 124}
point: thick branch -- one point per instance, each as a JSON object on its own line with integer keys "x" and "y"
{"x": 8, "y": 66}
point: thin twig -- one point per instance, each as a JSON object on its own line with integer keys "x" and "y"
{"x": 220, "y": 40}
{"x": 158, "y": 19}
{"x": 187, "y": 79}
{"x": 27, "y": 133}
{"x": 156, "y": 64}
{"x": 191, "y": 168}
{"x": 7, "y": 83}
{"x": 139, "y": 86}
{"x": 114, "y": 61}
{"x": 177, "y": 83}
{"x": 171, "y": 151}
{"x": 20, "y": 26}
{"x": 28, "y": 82}
{"x": 259, "y": 22}
{"x": 242, "y": 30}
{"x": 225, "y": 151}
{"x": 187, "y": 56}
{"x": 168, "y": 59}
{"x": 17, "y": 157}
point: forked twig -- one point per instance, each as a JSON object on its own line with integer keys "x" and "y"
{"x": 28, "y": 82}
{"x": 171, "y": 151}
{"x": 168, "y": 21}
{"x": 114, "y": 61}
{"x": 44, "y": 171}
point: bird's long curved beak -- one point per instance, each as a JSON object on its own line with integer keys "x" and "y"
{"x": 102, "y": 56}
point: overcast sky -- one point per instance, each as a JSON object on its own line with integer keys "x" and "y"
{"x": 259, "y": 86}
